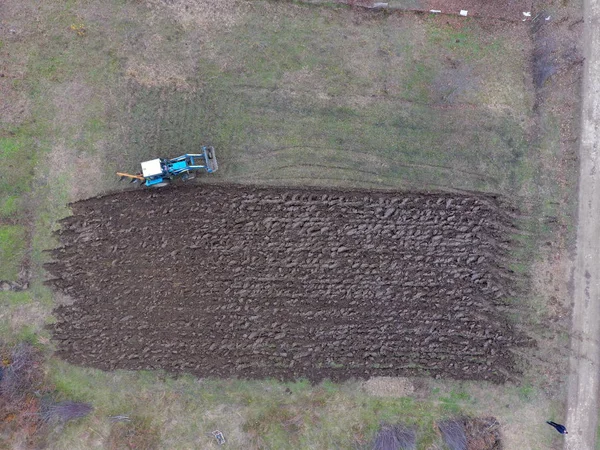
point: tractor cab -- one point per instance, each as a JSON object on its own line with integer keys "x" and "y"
{"x": 160, "y": 172}
{"x": 153, "y": 171}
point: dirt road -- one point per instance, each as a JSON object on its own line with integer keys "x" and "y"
{"x": 582, "y": 416}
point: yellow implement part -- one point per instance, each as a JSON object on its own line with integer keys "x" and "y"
{"x": 128, "y": 175}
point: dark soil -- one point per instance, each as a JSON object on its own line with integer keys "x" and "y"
{"x": 252, "y": 282}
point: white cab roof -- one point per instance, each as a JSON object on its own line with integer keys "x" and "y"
{"x": 151, "y": 168}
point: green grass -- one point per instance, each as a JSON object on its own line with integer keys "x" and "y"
{"x": 276, "y": 414}
{"x": 23, "y": 316}
{"x": 453, "y": 403}
{"x": 15, "y": 298}
{"x": 17, "y": 161}
{"x": 279, "y": 415}
{"x": 51, "y": 208}
{"x": 526, "y": 392}
{"x": 9, "y": 206}
{"x": 28, "y": 333}
{"x": 304, "y": 112}
{"x": 12, "y": 250}
{"x": 468, "y": 42}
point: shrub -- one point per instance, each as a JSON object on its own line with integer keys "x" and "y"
{"x": 483, "y": 433}
{"x": 466, "y": 433}
{"x": 395, "y": 437}
{"x": 26, "y": 403}
{"x": 21, "y": 373}
{"x": 64, "y": 411}
{"x": 453, "y": 433}
{"x": 21, "y": 379}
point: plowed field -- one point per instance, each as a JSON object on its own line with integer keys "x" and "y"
{"x": 222, "y": 280}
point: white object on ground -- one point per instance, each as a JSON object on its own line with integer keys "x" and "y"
{"x": 527, "y": 14}
{"x": 464, "y": 12}
{"x": 435, "y": 10}
{"x": 219, "y": 437}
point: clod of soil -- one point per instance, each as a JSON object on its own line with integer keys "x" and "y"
{"x": 221, "y": 280}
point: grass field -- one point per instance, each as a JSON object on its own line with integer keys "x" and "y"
{"x": 322, "y": 96}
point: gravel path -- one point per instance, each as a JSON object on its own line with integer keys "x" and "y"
{"x": 582, "y": 416}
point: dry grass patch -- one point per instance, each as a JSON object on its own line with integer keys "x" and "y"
{"x": 80, "y": 174}
{"x": 205, "y": 14}
{"x": 71, "y": 102}
{"x": 152, "y": 75}
{"x": 389, "y": 386}
{"x": 137, "y": 432}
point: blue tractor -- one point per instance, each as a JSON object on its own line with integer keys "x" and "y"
{"x": 160, "y": 171}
